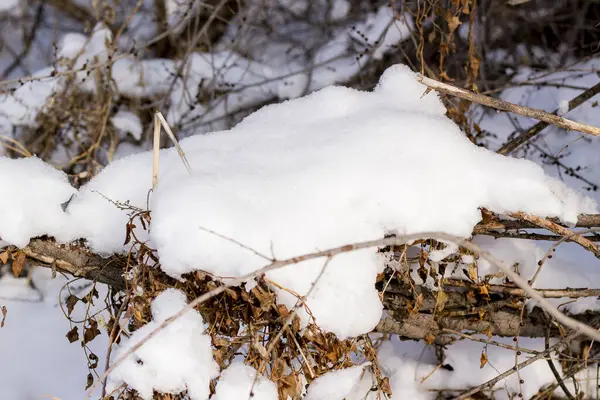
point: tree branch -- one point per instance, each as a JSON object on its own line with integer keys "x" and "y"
{"x": 498, "y": 104}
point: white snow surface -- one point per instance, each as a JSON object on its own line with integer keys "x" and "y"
{"x": 336, "y": 385}
{"x": 335, "y": 167}
{"x": 128, "y": 122}
{"x": 7, "y": 5}
{"x": 177, "y": 358}
{"x": 31, "y": 203}
{"x": 38, "y": 360}
{"x": 237, "y": 382}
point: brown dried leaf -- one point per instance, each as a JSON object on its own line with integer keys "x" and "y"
{"x": 296, "y": 324}
{"x": 4, "y": 257}
{"x": 282, "y": 310}
{"x": 289, "y": 387}
{"x": 266, "y": 299}
{"x": 129, "y": 228}
{"x": 260, "y": 349}
{"x": 90, "y": 381}
{"x": 483, "y": 290}
{"x": 220, "y": 342}
{"x": 483, "y": 359}
{"x": 472, "y": 272}
{"x": 423, "y": 255}
{"x": 4, "y": 311}
{"x": 219, "y": 356}
{"x": 18, "y": 263}
{"x": 429, "y": 338}
{"x": 385, "y": 386}
{"x": 73, "y": 335}
{"x": 232, "y": 293}
{"x": 481, "y": 313}
{"x": 278, "y": 369}
{"x": 453, "y": 23}
{"x": 488, "y": 332}
{"x": 71, "y": 302}
{"x": 441, "y": 300}
{"x": 91, "y": 331}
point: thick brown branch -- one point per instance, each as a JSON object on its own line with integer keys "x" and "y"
{"x": 462, "y": 310}
{"x": 78, "y": 261}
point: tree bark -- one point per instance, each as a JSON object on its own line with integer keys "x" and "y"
{"x": 413, "y": 312}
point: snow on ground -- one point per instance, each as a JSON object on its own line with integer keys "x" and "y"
{"x": 237, "y": 382}
{"x": 38, "y": 362}
{"x": 178, "y": 358}
{"x": 337, "y": 384}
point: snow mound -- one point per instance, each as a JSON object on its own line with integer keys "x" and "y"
{"x": 335, "y": 385}
{"x": 30, "y": 204}
{"x": 237, "y": 382}
{"x": 335, "y": 167}
{"x": 177, "y": 358}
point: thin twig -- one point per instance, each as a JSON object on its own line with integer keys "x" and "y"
{"x": 489, "y": 384}
{"x": 506, "y": 106}
{"x": 540, "y": 126}
{"x": 560, "y": 230}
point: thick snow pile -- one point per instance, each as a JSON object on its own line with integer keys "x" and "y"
{"x": 238, "y": 382}
{"x": 179, "y": 357}
{"x": 332, "y": 168}
{"x": 31, "y": 204}
{"x": 336, "y": 385}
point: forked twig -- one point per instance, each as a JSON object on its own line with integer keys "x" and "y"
{"x": 159, "y": 120}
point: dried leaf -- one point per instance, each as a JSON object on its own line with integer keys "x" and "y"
{"x": 483, "y": 359}
{"x": 4, "y": 311}
{"x": 453, "y": 23}
{"x": 93, "y": 361}
{"x": 90, "y": 381}
{"x": 441, "y": 300}
{"x": 91, "y": 331}
{"x": 129, "y": 228}
{"x": 73, "y": 335}
{"x": 282, "y": 310}
{"x": 18, "y": 263}
{"x": 71, "y": 302}
{"x": 266, "y": 299}
{"x": 385, "y": 386}
{"x": 220, "y": 342}
{"x": 261, "y": 350}
{"x": 429, "y": 338}
{"x": 472, "y": 272}
{"x": 296, "y": 324}
{"x": 481, "y": 313}
{"x": 423, "y": 255}
{"x": 278, "y": 369}
{"x": 232, "y": 293}
{"x": 4, "y": 257}
{"x": 488, "y": 332}
{"x": 483, "y": 290}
